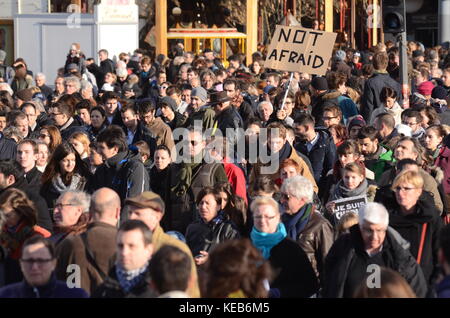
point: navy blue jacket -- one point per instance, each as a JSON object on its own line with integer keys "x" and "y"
{"x": 53, "y": 289}
{"x": 322, "y": 155}
{"x": 443, "y": 288}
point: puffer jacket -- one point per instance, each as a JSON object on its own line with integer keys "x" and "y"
{"x": 124, "y": 173}
{"x": 316, "y": 239}
{"x": 201, "y": 236}
{"x": 349, "y": 249}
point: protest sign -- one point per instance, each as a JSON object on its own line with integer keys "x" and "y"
{"x": 296, "y": 49}
{"x": 344, "y": 206}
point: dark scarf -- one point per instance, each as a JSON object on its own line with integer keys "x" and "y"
{"x": 295, "y": 224}
{"x": 342, "y": 191}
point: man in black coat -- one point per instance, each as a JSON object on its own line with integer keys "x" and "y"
{"x": 369, "y": 244}
{"x": 62, "y": 114}
{"x": 317, "y": 145}
{"x": 106, "y": 66}
{"x": 122, "y": 170}
{"x": 319, "y": 88}
{"x": 129, "y": 277}
{"x": 27, "y": 155}
{"x": 370, "y": 99}
{"x": 226, "y": 115}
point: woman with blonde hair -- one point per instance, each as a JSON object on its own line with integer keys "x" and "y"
{"x": 80, "y": 141}
{"x": 415, "y": 216}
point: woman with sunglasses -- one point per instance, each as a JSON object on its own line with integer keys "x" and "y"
{"x": 20, "y": 216}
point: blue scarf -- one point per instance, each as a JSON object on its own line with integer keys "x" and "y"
{"x": 296, "y": 223}
{"x": 266, "y": 241}
{"x": 129, "y": 279}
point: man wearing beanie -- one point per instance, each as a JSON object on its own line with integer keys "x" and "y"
{"x": 199, "y": 110}
{"x": 319, "y": 87}
{"x": 339, "y": 64}
{"x": 370, "y": 99}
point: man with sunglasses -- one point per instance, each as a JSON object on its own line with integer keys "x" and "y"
{"x": 38, "y": 263}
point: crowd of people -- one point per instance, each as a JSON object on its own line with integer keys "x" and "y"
{"x": 126, "y": 174}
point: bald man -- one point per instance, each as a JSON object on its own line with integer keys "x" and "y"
{"x": 92, "y": 250}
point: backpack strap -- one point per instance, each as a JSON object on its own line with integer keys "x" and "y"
{"x": 90, "y": 256}
{"x": 422, "y": 241}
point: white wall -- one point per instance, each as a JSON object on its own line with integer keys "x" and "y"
{"x": 44, "y": 40}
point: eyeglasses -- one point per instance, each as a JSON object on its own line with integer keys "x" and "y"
{"x": 409, "y": 123}
{"x": 38, "y": 261}
{"x": 61, "y": 205}
{"x": 328, "y": 118}
{"x": 261, "y": 217}
{"x": 398, "y": 189}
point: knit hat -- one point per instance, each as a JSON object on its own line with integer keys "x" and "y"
{"x": 425, "y": 88}
{"x": 319, "y": 83}
{"x": 356, "y": 121}
{"x": 340, "y": 55}
{"x": 439, "y": 92}
{"x": 147, "y": 199}
{"x": 168, "y": 101}
{"x": 417, "y": 53}
{"x": 267, "y": 89}
{"x": 200, "y": 92}
{"x": 25, "y": 94}
{"x": 72, "y": 66}
{"x": 405, "y": 130}
{"x": 2, "y": 56}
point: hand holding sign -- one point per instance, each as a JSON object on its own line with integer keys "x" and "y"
{"x": 297, "y": 49}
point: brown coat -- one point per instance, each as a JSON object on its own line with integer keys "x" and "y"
{"x": 162, "y": 133}
{"x": 101, "y": 238}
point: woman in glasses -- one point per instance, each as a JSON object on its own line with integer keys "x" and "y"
{"x": 414, "y": 215}
{"x": 20, "y": 224}
{"x": 212, "y": 227}
{"x": 65, "y": 171}
{"x": 295, "y": 276}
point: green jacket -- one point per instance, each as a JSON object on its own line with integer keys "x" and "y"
{"x": 381, "y": 161}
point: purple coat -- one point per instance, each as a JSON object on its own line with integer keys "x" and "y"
{"x": 443, "y": 162}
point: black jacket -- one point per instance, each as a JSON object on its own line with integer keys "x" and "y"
{"x": 72, "y": 128}
{"x": 8, "y": 148}
{"x": 294, "y": 275}
{"x": 229, "y": 118}
{"x": 410, "y": 228}
{"x": 111, "y": 288}
{"x": 370, "y": 99}
{"x": 347, "y": 262}
{"x": 124, "y": 173}
{"x": 201, "y": 236}
{"x": 143, "y": 134}
{"x": 34, "y": 177}
{"x": 246, "y": 113}
{"x": 322, "y": 155}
